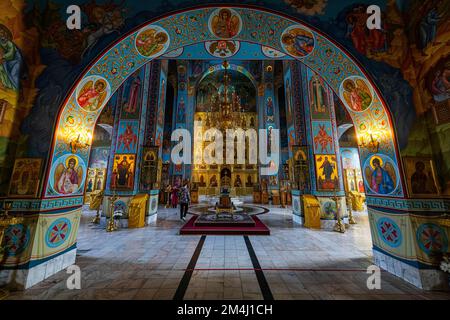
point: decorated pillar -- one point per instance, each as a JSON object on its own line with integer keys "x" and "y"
{"x": 127, "y": 163}
{"x": 151, "y": 151}
{"x": 268, "y": 116}
{"x": 180, "y": 116}
{"x": 299, "y": 153}
{"x": 195, "y": 70}
{"x": 322, "y": 141}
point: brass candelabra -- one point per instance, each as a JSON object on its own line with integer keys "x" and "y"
{"x": 339, "y": 226}
{"x": 351, "y": 219}
{"x": 111, "y": 225}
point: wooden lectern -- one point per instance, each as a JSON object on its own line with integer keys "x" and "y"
{"x": 311, "y": 208}
{"x": 136, "y": 211}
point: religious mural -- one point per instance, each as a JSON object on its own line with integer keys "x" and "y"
{"x": 12, "y": 61}
{"x": 222, "y": 48}
{"x": 68, "y": 175}
{"x": 381, "y": 175}
{"x": 20, "y": 65}
{"x": 132, "y": 96}
{"x": 437, "y": 80}
{"x": 25, "y": 178}
{"x": 318, "y": 98}
{"x": 421, "y": 177}
{"x": 152, "y": 41}
{"x": 396, "y": 57}
{"x": 122, "y": 176}
{"x": 355, "y": 93}
{"x": 110, "y": 18}
{"x": 225, "y": 23}
{"x": 323, "y": 137}
{"x": 93, "y": 93}
{"x": 326, "y": 172}
{"x": 297, "y": 41}
{"x": 127, "y": 136}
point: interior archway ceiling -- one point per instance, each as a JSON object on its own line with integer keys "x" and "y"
{"x": 342, "y": 73}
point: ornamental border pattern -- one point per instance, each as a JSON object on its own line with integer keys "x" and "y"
{"x": 31, "y": 205}
{"x": 415, "y": 205}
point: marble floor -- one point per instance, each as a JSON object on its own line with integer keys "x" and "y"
{"x": 156, "y": 263}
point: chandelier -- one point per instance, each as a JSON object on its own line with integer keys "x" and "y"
{"x": 225, "y": 110}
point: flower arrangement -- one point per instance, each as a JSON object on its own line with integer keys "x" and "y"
{"x": 445, "y": 263}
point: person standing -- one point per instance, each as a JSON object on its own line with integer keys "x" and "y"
{"x": 185, "y": 199}
{"x": 175, "y": 190}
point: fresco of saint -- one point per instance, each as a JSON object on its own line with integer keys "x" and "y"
{"x": 357, "y": 94}
{"x": 428, "y": 26}
{"x": 318, "y": 98}
{"x": 382, "y": 179}
{"x": 356, "y": 31}
{"x": 133, "y": 97}
{"x": 150, "y": 42}
{"x": 440, "y": 85}
{"x": 127, "y": 140}
{"x": 327, "y": 169}
{"x": 323, "y": 139}
{"x": 225, "y": 24}
{"x": 89, "y": 186}
{"x": 10, "y": 61}
{"x": 92, "y": 95}
{"x": 123, "y": 172}
{"x": 421, "y": 176}
{"x": 419, "y": 179}
{"x": 298, "y": 42}
{"x": 68, "y": 177}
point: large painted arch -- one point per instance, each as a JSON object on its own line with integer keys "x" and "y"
{"x": 79, "y": 113}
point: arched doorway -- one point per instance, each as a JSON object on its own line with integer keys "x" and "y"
{"x": 90, "y": 94}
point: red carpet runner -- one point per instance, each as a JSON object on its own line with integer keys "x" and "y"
{"x": 258, "y": 229}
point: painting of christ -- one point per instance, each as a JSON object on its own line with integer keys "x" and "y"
{"x": 326, "y": 172}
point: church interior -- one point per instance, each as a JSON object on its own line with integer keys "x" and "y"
{"x": 224, "y": 152}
